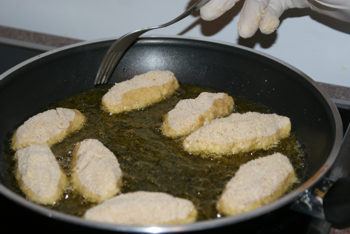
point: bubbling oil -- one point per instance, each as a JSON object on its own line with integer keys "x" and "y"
{"x": 153, "y": 162}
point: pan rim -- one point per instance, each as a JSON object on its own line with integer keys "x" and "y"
{"x": 200, "y": 225}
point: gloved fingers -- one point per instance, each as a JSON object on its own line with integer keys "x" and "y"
{"x": 251, "y": 15}
{"x": 215, "y": 8}
{"x": 270, "y": 21}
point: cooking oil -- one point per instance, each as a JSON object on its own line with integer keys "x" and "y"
{"x": 153, "y": 162}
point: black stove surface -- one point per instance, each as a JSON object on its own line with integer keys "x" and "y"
{"x": 16, "y": 218}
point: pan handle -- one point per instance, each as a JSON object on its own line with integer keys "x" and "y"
{"x": 336, "y": 202}
{"x": 330, "y": 198}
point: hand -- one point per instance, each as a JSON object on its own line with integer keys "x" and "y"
{"x": 264, "y": 14}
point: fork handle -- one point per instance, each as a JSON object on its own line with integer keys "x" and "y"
{"x": 196, "y": 6}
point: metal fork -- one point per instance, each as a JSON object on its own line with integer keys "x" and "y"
{"x": 118, "y": 48}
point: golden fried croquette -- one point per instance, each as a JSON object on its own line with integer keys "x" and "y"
{"x": 144, "y": 208}
{"x": 140, "y": 91}
{"x": 190, "y": 114}
{"x": 238, "y": 133}
{"x": 48, "y": 128}
{"x": 257, "y": 183}
{"x": 38, "y": 174}
{"x": 96, "y": 173}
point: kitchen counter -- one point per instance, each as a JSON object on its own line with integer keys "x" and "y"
{"x": 34, "y": 38}
{"x": 46, "y": 42}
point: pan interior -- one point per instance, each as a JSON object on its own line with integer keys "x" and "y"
{"x": 153, "y": 162}
{"x": 32, "y": 87}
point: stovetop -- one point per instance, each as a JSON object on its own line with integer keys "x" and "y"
{"x": 17, "y": 218}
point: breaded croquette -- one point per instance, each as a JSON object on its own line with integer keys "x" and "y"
{"x": 190, "y": 114}
{"x": 140, "y": 91}
{"x": 39, "y": 175}
{"x": 48, "y": 128}
{"x": 257, "y": 183}
{"x": 144, "y": 208}
{"x": 96, "y": 173}
{"x": 238, "y": 133}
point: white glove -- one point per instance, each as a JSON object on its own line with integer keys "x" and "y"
{"x": 264, "y": 14}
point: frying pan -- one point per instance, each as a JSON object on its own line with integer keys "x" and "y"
{"x": 32, "y": 85}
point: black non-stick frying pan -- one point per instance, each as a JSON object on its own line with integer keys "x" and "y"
{"x": 29, "y": 87}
